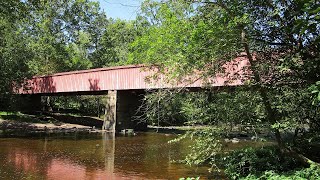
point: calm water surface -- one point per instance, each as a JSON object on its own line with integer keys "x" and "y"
{"x": 145, "y": 156}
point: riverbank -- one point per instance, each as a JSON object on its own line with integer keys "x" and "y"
{"x": 19, "y": 124}
{"x": 11, "y": 124}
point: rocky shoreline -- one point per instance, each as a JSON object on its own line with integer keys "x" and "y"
{"x": 10, "y": 128}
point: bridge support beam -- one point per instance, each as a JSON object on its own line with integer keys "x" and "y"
{"x": 121, "y": 109}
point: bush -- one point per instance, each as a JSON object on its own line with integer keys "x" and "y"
{"x": 257, "y": 161}
{"x": 311, "y": 173}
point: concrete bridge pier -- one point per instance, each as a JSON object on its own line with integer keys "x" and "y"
{"x": 110, "y": 112}
{"x": 122, "y": 109}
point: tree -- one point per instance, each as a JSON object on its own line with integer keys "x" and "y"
{"x": 280, "y": 39}
{"x": 14, "y": 53}
{"x": 44, "y": 37}
{"x": 63, "y": 34}
{"x": 113, "y": 47}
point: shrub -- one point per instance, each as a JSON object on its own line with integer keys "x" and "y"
{"x": 311, "y": 173}
{"x": 256, "y": 161}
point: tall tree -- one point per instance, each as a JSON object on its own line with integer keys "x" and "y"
{"x": 14, "y": 53}
{"x": 63, "y": 33}
{"x": 280, "y": 39}
{"x": 113, "y": 47}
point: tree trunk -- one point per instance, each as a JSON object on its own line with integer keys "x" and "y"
{"x": 271, "y": 113}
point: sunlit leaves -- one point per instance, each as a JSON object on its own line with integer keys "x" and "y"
{"x": 113, "y": 47}
{"x": 207, "y": 144}
{"x": 315, "y": 90}
{"x": 62, "y": 34}
{"x": 283, "y": 37}
{"x": 14, "y": 54}
{"x": 180, "y": 40}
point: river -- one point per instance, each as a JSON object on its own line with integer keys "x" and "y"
{"x": 99, "y": 156}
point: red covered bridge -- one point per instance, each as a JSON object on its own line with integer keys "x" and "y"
{"x": 124, "y": 86}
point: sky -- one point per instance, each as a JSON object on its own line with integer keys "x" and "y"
{"x": 123, "y": 9}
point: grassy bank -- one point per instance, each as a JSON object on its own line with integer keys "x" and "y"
{"x": 26, "y": 118}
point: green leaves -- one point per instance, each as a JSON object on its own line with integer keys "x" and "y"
{"x": 190, "y": 178}
{"x": 113, "y": 47}
{"x": 283, "y": 37}
{"x": 206, "y": 146}
{"x": 63, "y": 34}
{"x": 315, "y": 91}
{"x": 14, "y": 54}
{"x": 248, "y": 162}
{"x": 179, "y": 39}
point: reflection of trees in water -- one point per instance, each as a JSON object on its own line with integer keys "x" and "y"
{"x": 145, "y": 156}
{"x": 43, "y": 157}
{"x": 22, "y": 161}
{"x": 164, "y": 153}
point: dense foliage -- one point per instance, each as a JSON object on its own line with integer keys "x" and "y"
{"x": 244, "y": 162}
{"x": 313, "y": 172}
{"x": 280, "y": 38}
{"x": 44, "y": 37}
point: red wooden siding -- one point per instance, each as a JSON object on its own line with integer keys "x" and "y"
{"x": 125, "y": 78}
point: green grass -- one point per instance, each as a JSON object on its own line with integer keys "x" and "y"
{"x": 19, "y": 117}
{"x": 5, "y": 113}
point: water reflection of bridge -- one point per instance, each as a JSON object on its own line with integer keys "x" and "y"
{"x": 125, "y": 87}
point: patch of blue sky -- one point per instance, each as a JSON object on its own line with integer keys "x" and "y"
{"x": 122, "y": 9}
